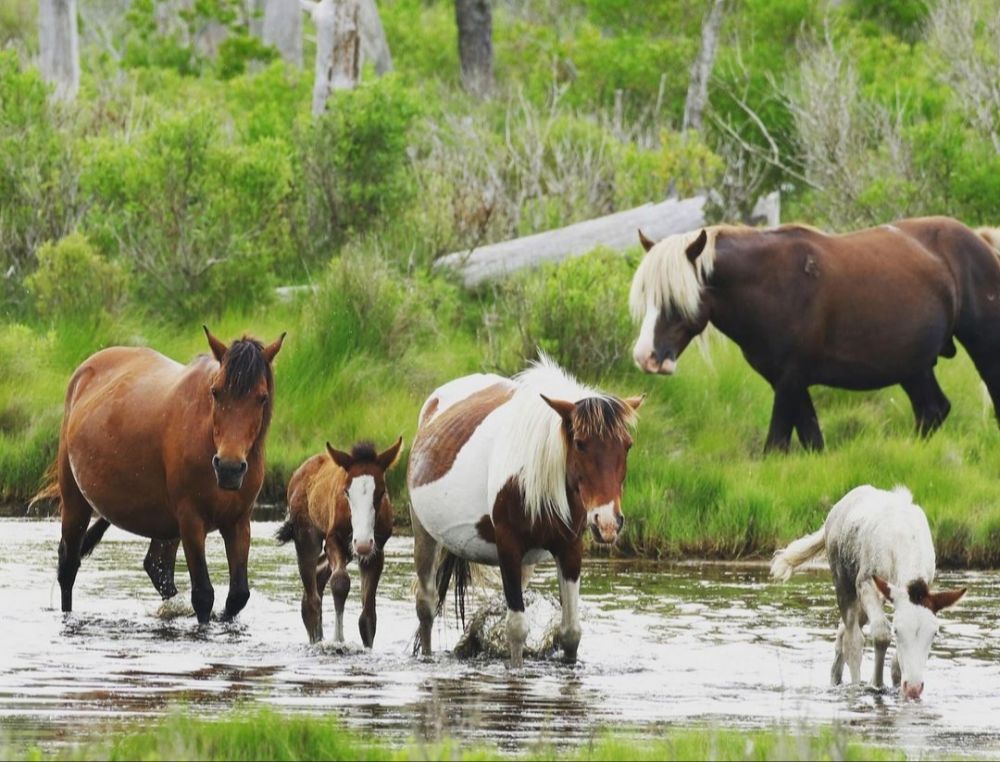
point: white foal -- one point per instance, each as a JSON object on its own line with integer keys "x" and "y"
{"x": 879, "y": 546}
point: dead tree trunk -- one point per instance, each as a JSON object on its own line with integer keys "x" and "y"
{"x": 282, "y": 28}
{"x": 701, "y": 71}
{"x": 374, "y": 46}
{"x": 338, "y": 47}
{"x": 59, "y": 46}
{"x": 475, "y": 45}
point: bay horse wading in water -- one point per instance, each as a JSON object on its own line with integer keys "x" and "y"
{"x": 511, "y": 471}
{"x": 857, "y": 311}
{"x": 338, "y": 509}
{"x": 879, "y": 547}
{"x": 166, "y": 451}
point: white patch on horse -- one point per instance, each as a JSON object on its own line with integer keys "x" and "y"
{"x": 361, "y": 497}
{"x": 667, "y": 280}
{"x": 645, "y": 346}
{"x": 569, "y": 629}
{"x": 458, "y": 390}
{"x": 603, "y": 516}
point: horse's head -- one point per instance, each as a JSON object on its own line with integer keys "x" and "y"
{"x": 914, "y": 624}
{"x": 242, "y": 389}
{"x": 364, "y": 488}
{"x": 666, "y": 297}
{"x": 597, "y": 436}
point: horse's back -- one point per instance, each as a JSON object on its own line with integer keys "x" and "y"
{"x": 448, "y": 472}
{"x": 872, "y": 531}
{"x": 313, "y": 489}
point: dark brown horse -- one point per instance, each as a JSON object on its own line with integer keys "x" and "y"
{"x": 858, "y": 311}
{"x": 338, "y": 508}
{"x": 169, "y": 452}
{"x": 510, "y": 472}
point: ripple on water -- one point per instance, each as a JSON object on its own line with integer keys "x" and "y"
{"x": 662, "y": 645}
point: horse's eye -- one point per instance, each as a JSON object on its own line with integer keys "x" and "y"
{"x": 215, "y": 394}
{"x": 263, "y": 399}
{"x": 580, "y": 445}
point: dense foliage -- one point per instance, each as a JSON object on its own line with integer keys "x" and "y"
{"x": 189, "y": 179}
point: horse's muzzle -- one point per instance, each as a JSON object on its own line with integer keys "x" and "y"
{"x": 912, "y": 691}
{"x": 605, "y": 525}
{"x": 229, "y": 473}
{"x": 653, "y": 365}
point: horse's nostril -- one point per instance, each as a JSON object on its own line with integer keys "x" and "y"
{"x": 215, "y": 462}
{"x": 243, "y": 467}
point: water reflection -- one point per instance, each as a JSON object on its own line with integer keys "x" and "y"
{"x": 663, "y": 645}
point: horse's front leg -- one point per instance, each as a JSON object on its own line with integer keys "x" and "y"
{"x": 371, "y": 572}
{"x": 511, "y": 559}
{"x": 237, "y": 539}
{"x": 792, "y": 409}
{"x": 807, "y": 423}
{"x": 878, "y": 625}
{"x": 161, "y": 558}
{"x": 193, "y": 540}
{"x": 340, "y": 582}
{"x": 568, "y": 569}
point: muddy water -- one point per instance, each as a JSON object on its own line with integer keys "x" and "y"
{"x": 681, "y": 645}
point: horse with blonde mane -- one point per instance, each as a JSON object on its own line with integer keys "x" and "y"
{"x": 509, "y": 472}
{"x": 856, "y": 311}
{"x": 166, "y": 451}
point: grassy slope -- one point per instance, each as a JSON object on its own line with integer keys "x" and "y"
{"x": 268, "y": 736}
{"x": 698, "y": 483}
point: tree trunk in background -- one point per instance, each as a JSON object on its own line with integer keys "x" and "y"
{"x": 338, "y": 47}
{"x": 475, "y": 45}
{"x": 59, "y": 46}
{"x": 697, "y": 94}
{"x": 283, "y": 29}
{"x": 255, "y": 14}
{"x": 374, "y": 46}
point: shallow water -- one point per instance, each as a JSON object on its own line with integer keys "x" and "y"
{"x": 684, "y": 645}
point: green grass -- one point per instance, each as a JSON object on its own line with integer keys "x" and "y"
{"x": 268, "y": 736}
{"x": 698, "y": 483}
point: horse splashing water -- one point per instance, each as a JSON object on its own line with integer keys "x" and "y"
{"x": 338, "y": 508}
{"x": 169, "y": 452}
{"x": 508, "y": 472}
{"x": 879, "y": 546}
{"x": 858, "y": 311}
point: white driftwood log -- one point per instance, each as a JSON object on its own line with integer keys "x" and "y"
{"x": 338, "y": 47}
{"x": 616, "y": 231}
{"x": 59, "y": 47}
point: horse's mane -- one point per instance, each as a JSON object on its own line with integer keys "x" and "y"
{"x": 364, "y": 452}
{"x": 534, "y": 447}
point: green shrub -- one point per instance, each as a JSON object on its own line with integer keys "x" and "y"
{"x": 201, "y": 220}
{"x": 72, "y": 281}
{"x": 354, "y": 166}
{"x": 576, "y": 312}
{"x": 38, "y": 197}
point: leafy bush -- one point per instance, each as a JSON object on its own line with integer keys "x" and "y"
{"x": 576, "y": 311}
{"x": 199, "y": 219}
{"x": 38, "y": 192}
{"x": 72, "y": 281}
{"x": 354, "y": 166}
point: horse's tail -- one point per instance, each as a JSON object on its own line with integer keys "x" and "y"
{"x": 50, "y": 487}
{"x": 450, "y": 565}
{"x": 94, "y": 536}
{"x": 803, "y": 549}
{"x": 285, "y": 532}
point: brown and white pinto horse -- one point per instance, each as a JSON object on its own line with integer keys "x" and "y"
{"x": 857, "y": 311}
{"x": 339, "y": 508}
{"x": 166, "y": 451}
{"x": 509, "y": 472}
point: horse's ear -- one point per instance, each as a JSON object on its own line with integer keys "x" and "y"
{"x": 883, "y": 587}
{"x": 647, "y": 244}
{"x": 635, "y": 402}
{"x": 563, "y": 407}
{"x": 944, "y": 599}
{"x": 341, "y": 458}
{"x": 695, "y": 249}
{"x": 272, "y": 349}
{"x": 387, "y": 459}
{"x": 218, "y": 348}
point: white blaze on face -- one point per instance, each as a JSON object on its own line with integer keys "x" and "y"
{"x": 604, "y": 521}
{"x": 644, "y": 350}
{"x": 914, "y": 628}
{"x": 361, "y": 496}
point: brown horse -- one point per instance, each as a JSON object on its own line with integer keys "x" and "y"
{"x": 509, "y": 472}
{"x": 338, "y": 500}
{"x": 166, "y": 451}
{"x": 858, "y": 311}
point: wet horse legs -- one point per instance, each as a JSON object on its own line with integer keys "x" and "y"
{"x": 511, "y": 562}
{"x": 878, "y": 626}
{"x": 568, "y": 569}
{"x": 308, "y": 549}
{"x": 237, "y": 539}
{"x": 340, "y": 584}
{"x": 424, "y": 559}
{"x": 193, "y": 540}
{"x": 371, "y": 572}
{"x": 161, "y": 558}
{"x": 75, "y": 514}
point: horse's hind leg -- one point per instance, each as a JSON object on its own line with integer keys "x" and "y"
{"x": 424, "y": 560}
{"x": 854, "y": 642}
{"x": 308, "y": 546}
{"x": 878, "y": 626}
{"x": 930, "y": 406}
{"x": 160, "y": 561}
{"x": 837, "y": 671}
{"x": 75, "y": 514}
